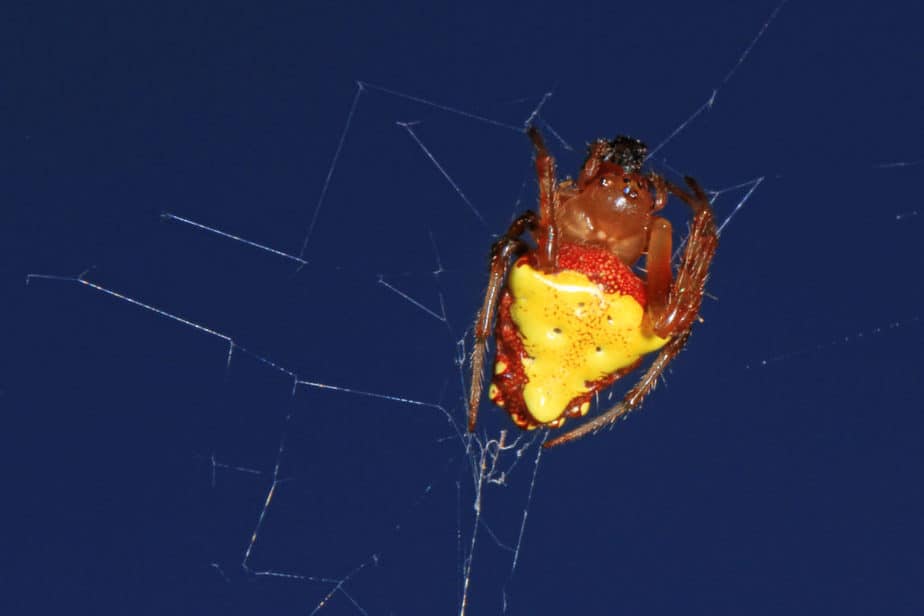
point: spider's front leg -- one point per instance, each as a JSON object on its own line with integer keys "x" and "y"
{"x": 672, "y": 307}
{"x": 503, "y": 251}
{"x": 549, "y": 203}
{"x": 684, "y": 296}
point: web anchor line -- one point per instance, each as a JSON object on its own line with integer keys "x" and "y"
{"x": 408, "y": 127}
{"x": 835, "y": 342}
{"x": 715, "y": 91}
{"x": 330, "y": 170}
{"x": 214, "y": 230}
{"x": 439, "y": 317}
{"x": 232, "y": 345}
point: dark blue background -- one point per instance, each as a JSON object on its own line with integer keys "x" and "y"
{"x": 790, "y": 487}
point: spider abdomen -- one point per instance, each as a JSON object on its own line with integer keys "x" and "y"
{"x": 564, "y": 335}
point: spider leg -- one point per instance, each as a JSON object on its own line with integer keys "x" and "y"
{"x": 661, "y": 191}
{"x": 658, "y": 268}
{"x": 594, "y": 156}
{"x": 658, "y": 255}
{"x": 632, "y": 399}
{"x": 684, "y": 297}
{"x": 549, "y": 203}
{"x": 503, "y": 250}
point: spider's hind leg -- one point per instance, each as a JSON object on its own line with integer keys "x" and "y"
{"x": 632, "y": 399}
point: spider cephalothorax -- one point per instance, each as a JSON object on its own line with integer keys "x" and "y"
{"x": 572, "y": 316}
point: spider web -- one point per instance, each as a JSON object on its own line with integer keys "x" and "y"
{"x": 489, "y": 459}
{"x": 322, "y": 478}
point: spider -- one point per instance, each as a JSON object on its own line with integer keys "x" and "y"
{"x": 572, "y": 316}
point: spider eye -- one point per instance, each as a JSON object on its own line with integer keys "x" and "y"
{"x": 605, "y": 181}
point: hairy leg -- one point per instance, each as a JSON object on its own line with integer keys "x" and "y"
{"x": 506, "y": 248}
